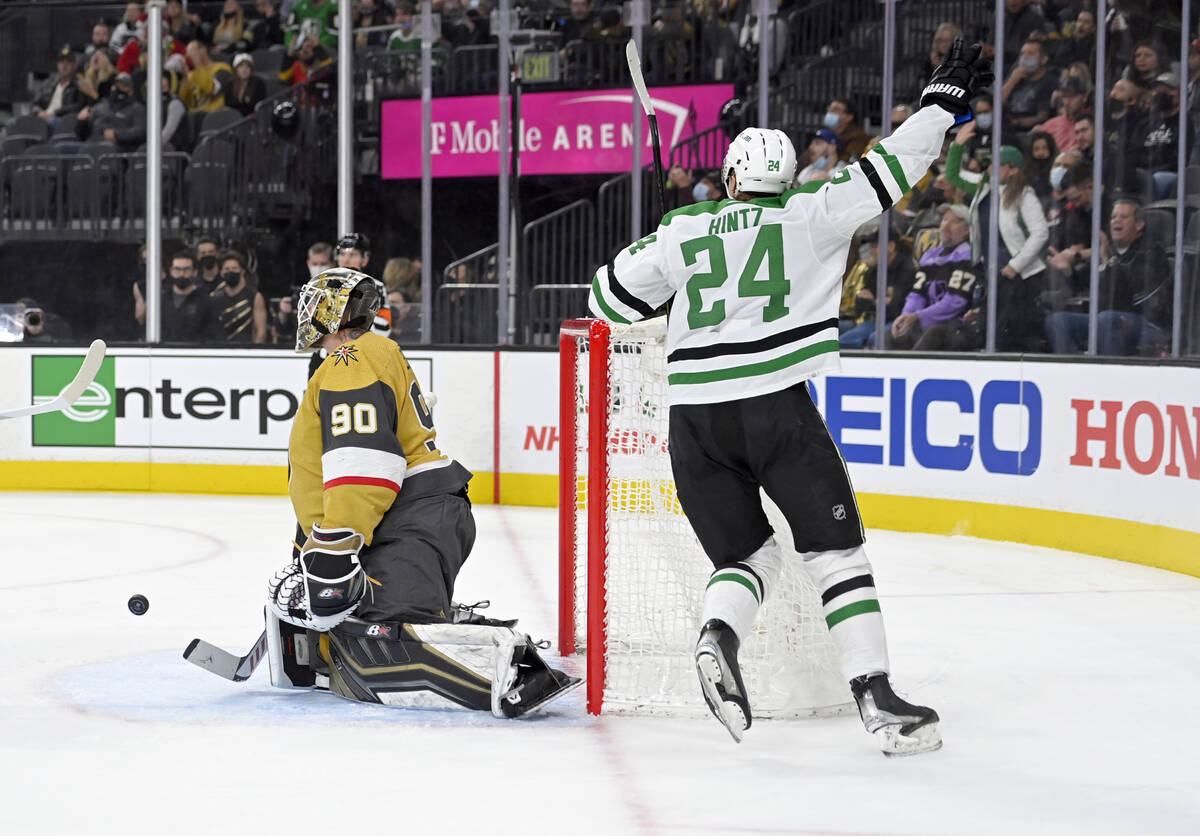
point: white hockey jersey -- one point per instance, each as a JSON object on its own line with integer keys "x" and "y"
{"x": 756, "y": 284}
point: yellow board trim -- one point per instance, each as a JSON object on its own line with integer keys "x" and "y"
{"x": 1135, "y": 542}
{"x": 1143, "y": 543}
{"x": 153, "y": 477}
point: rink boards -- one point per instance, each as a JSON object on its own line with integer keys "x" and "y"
{"x": 1098, "y": 458}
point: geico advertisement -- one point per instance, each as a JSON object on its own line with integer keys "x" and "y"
{"x": 1107, "y": 439}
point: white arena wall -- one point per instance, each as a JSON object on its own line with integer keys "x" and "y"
{"x": 1101, "y": 458}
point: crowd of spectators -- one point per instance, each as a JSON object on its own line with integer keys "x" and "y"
{"x": 210, "y": 295}
{"x": 1043, "y": 182}
{"x": 938, "y": 248}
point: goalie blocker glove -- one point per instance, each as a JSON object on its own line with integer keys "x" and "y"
{"x": 956, "y": 81}
{"x": 321, "y": 588}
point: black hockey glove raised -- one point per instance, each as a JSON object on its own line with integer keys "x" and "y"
{"x": 956, "y": 81}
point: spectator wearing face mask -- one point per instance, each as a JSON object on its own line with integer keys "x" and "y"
{"x": 823, "y": 157}
{"x": 842, "y": 118}
{"x": 1042, "y": 151}
{"x": 239, "y": 308}
{"x": 1124, "y": 132}
{"x": 207, "y": 266}
{"x": 186, "y": 310}
{"x": 1028, "y": 91}
{"x": 320, "y": 257}
{"x": 1062, "y": 163}
{"x": 1159, "y": 149}
{"x": 119, "y": 118}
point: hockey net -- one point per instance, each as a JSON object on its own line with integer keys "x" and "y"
{"x": 631, "y": 572}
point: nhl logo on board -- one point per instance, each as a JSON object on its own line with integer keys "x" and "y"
{"x": 839, "y": 512}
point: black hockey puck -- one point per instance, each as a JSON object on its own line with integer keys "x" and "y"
{"x": 138, "y": 604}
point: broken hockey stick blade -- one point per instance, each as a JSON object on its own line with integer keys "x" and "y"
{"x": 223, "y": 663}
{"x": 83, "y": 379}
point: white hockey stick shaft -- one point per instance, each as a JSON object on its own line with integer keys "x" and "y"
{"x": 83, "y": 379}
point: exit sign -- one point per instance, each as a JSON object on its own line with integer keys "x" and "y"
{"x": 539, "y": 67}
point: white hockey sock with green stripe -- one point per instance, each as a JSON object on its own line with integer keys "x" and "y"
{"x": 851, "y": 609}
{"x": 736, "y": 591}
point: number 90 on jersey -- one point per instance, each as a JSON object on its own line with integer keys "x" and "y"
{"x": 360, "y": 418}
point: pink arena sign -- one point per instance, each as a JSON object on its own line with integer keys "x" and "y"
{"x": 576, "y": 132}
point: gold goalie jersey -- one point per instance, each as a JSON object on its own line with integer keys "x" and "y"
{"x": 363, "y": 440}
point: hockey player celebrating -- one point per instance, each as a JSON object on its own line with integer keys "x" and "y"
{"x": 364, "y": 608}
{"x": 755, "y": 280}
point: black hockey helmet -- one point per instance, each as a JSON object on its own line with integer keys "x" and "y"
{"x": 733, "y": 117}
{"x": 353, "y": 241}
{"x": 285, "y": 120}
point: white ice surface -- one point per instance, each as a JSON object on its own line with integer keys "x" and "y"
{"x": 1067, "y": 686}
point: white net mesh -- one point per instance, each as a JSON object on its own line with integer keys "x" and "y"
{"x": 657, "y": 571}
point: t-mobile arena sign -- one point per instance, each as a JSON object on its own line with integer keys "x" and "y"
{"x": 576, "y": 132}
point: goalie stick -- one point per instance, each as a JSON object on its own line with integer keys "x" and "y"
{"x": 68, "y": 396}
{"x": 223, "y": 663}
{"x": 240, "y": 668}
{"x": 639, "y": 85}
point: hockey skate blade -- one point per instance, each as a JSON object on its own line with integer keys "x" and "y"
{"x": 894, "y": 744}
{"x": 729, "y": 713}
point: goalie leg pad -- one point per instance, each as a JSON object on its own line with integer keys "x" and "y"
{"x": 288, "y": 653}
{"x": 479, "y": 667}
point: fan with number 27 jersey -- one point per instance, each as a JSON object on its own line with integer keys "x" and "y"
{"x": 362, "y": 436}
{"x": 756, "y": 284}
{"x": 942, "y": 287}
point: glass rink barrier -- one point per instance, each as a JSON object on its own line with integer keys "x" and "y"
{"x": 498, "y": 157}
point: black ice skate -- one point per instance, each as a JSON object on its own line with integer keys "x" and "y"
{"x": 536, "y": 683}
{"x": 900, "y": 727}
{"x": 720, "y": 678}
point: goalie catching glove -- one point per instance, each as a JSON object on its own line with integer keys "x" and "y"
{"x": 955, "y": 82}
{"x": 321, "y": 587}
